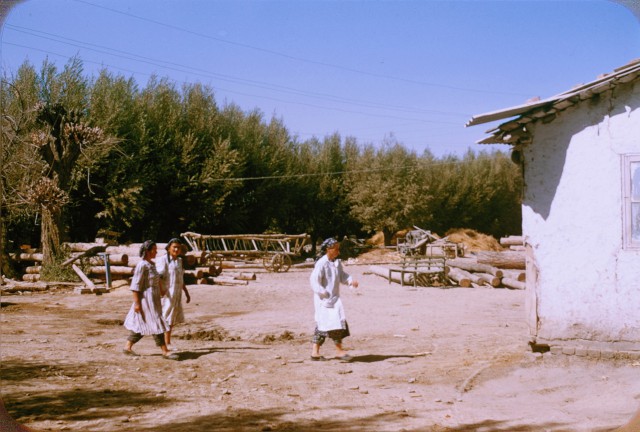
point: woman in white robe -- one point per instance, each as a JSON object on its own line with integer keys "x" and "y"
{"x": 331, "y": 321}
{"x": 171, "y": 273}
{"x": 145, "y": 315}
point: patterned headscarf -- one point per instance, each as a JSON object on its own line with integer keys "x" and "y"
{"x": 146, "y": 246}
{"x": 326, "y": 245}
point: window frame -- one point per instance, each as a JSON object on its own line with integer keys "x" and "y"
{"x": 628, "y": 200}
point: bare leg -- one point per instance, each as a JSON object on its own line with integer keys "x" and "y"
{"x": 129, "y": 345}
{"x": 167, "y": 336}
{"x": 339, "y": 351}
{"x": 315, "y": 350}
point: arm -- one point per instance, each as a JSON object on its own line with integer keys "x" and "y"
{"x": 316, "y": 281}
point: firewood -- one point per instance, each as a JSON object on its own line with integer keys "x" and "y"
{"x": 512, "y": 241}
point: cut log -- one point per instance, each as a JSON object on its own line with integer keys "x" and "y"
{"x": 17, "y": 286}
{"x": 33, "y": 269}
{"x": 520, "y": 276}
{"x": 489, "y": 279}
{"x": 35, "y": 256}
{"x": 84, "y": 277}
{"x": 512, "y": 283}
{"x": 88, "y": 252}
{"x": 395, "y": 277}
{"x": 472, "y": 277}
{"x": 84, "y": 247}
{"x": 114, "y": 259}
{"x": 221, "y": 280}
{"x": 512, "y": 241}
{"x": 115, "y": 270}
{"x": 517, "y": 248}
{"x": 248, "y": 276}
{"x": 472, "y": 265}
{"x": 460, "y": 277}
{"x": 31, "y": 277}
{"x": 507, "y": 259}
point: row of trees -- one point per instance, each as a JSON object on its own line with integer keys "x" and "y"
{"x": 81, "y": 154}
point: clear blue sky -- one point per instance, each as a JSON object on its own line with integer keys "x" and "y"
{"x": 415, "y": 69}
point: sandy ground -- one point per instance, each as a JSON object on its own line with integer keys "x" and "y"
{"x": 425, "y": 359}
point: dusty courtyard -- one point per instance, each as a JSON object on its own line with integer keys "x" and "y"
{"x": 425, "y": 359}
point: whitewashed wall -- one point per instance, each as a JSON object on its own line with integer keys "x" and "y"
{"x": 587, "y": 290}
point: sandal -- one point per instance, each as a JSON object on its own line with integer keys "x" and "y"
{"x": 345, "y": 358}
{"x": 172, "y": 356}
{"x": 130, "y": 353}
{"x": 318, "y": 358}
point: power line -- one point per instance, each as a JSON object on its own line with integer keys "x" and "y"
{"x": 295, "y": 58}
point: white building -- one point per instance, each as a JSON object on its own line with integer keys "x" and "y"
{"x": 580, "y": 155}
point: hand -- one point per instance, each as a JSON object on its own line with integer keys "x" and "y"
{"x": 355, "y": 284}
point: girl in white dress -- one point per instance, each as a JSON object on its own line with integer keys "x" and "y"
{"x": 145, "y": 316}
{"x": 172, "y": 275}
{"x": 331, "y": 322}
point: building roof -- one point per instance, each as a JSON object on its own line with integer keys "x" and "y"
{"x": 515, "y": 131}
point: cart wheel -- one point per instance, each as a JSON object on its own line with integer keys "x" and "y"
{"x": 267, "y": 262}
{"x": 277, "y": 263}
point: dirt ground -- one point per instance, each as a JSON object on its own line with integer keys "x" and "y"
{"x": 424, "y": 359}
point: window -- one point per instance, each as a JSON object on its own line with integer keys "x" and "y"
{"x": 631, "y": 201}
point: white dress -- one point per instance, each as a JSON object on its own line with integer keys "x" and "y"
{"x": 172, "y": 275}
{"x": 146, "y": 281}
{"x": 325, "y": 279}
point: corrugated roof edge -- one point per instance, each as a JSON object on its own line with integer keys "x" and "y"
{"x": 519, "y": 110}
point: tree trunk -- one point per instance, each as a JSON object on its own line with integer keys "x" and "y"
{"x": 49, "y": 236}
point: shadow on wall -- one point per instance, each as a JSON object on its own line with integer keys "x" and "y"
{"x": 547, "y": 162}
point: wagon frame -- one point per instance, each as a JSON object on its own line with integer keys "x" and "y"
{"x": 276, "y": 250}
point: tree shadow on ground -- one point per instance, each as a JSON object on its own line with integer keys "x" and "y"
{"x": 77, "y": 404}
{"x": 28, "y": 371}
{"x": 274, "y": 419}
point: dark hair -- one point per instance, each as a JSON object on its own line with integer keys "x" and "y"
{"x": 146, "y": 246}
{"x": 172, "y": 241}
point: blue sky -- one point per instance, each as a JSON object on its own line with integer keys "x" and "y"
{"x": 414, "y": 70}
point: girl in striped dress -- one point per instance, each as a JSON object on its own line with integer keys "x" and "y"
{"x": 145, "y": 316}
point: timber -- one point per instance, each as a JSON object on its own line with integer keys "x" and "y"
{"x": 84, "y": 277}
{"x": 472, "y": 265}
{"x": 512, "y": 241}
{"x": 507, "y": 259}
{"x": 512, "y": 283}
{"x": 116, "y": 270}
{"x": 458, "y": 276}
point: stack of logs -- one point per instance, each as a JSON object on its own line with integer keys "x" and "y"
{"x": 122, "y": 262}
{"x": 504, "y": 269}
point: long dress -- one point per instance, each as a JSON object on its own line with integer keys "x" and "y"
{"x": 172, "y": 274}
{"x": 147, "y": 281}
{"x": 325, "y": 279}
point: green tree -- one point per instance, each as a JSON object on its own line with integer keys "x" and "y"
{"x": 386, "y": 189}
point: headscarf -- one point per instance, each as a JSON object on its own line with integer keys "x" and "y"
{"x": 326, "y": 245}
{"x": 146, "y": 246}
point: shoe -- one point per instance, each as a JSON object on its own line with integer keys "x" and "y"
{"x": 172, "y": 348}
{"x": 172, "y": 356}
{"x": 345, "y": 358}
{"x": 130, "y": 353}
{"x": 318, "y": 358}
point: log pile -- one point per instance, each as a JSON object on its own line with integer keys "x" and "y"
{"x": 484, "y": 269}
{"x": 87, "y": 260}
